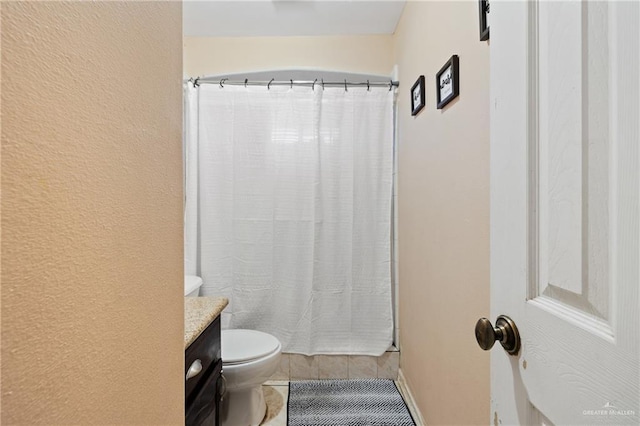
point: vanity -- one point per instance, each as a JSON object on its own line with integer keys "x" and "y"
{"x": 203, "y": 362}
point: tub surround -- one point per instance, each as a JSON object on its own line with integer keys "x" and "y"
{"x": 199, "y": 312}
{"x": 302, "y": 367}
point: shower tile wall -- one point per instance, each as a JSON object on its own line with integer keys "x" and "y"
{"x": 302, "y": 367}
{"x": 333, "y": 366}
{"x": 283, "y": 369}
{"x": 388, "y": 365}
{"x": 362, "y": 367}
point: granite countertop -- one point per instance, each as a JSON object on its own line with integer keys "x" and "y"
{"x": 199, "y": 312}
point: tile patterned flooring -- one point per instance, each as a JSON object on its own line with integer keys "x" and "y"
{"x": 276, "y": 394}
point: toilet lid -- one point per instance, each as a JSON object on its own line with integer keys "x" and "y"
{"x": 246, "y": 345}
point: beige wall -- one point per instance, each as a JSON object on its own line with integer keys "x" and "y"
{"x": 92, "y": 306}
{"x": 444, "y": 214}
{"x": 371, "y": 54}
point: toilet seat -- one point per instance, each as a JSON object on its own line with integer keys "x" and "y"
{"x": 243, "y": 346}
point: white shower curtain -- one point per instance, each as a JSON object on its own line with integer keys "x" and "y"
{"x": 289, "y": 212}
{"x": 190, "y": 153}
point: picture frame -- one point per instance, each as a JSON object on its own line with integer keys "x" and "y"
{"x": 448, "y": 82}
{"x": 417, "y": 95}
{"x": 484, "y": 9}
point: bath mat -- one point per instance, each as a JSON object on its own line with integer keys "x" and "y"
{"x": 359, "y": 402}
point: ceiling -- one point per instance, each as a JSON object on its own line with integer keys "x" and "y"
{"x": 289, "y": 18}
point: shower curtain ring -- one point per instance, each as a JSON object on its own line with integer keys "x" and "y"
{"x": 313, "y": 85}
{"x": 368, "y": 86}
{"x": 246, "y": 80}
{"x": 196, "y": 82}
{"x": 390, "y": 84}
{"x": 291, "y": 83}
{"x": 345, "y": 85}
{"x": 222, "y": 82}
{"x": 269, "y": 84}
{"x": 323, "y": 84}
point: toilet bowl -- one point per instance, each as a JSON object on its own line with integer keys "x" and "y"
{"x": 249, "y": 358}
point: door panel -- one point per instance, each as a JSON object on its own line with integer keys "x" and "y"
{"x": 564, "y": 210}
{"x": 570, "y": 176}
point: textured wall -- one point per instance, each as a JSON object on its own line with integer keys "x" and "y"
{"x": 372, "y": 54}
{"x": 92, "y": 306}
{"x": 444, "y": 214}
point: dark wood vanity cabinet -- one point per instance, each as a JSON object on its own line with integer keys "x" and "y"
{"x": 202, "y": 390}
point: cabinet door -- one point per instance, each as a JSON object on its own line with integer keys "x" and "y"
{"x": 204, "y": 408}
{"x": 206, "y": 350}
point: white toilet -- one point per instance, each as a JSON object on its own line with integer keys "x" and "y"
{"x": 249, "y": 358}
{"x": 192, "y": 285}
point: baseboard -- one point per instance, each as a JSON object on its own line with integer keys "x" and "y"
{"x": 408, "y": 398}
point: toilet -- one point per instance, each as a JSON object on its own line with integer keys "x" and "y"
{"x": 192, "y": 285}
{"x": 249, "y": 358}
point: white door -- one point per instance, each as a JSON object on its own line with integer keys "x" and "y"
{"x": 565, "y": 217}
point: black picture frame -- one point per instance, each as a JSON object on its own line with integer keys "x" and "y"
{"x": 448, "y": 82}
{"x": 484, "y": 9}
{"x": 417, "y": 95}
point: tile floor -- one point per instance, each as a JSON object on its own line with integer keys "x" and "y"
{"x": 276, "y": 394}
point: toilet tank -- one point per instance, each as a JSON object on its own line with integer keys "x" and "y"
{"x": 192, "y": 285}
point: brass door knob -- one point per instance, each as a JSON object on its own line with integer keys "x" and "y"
{"x": 505, "y": 331}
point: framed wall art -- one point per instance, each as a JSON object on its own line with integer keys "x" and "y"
{"x": 484, "y": 19}
{"x": 448, "y": 82}
{"x": 417, "y": 95}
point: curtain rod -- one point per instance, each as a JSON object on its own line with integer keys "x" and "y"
{"x": 225, "y": 81}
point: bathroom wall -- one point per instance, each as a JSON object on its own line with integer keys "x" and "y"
{"x": 443, "y": 194}
{"x": 370, "y": 54}
{"x": 92, "y": 281}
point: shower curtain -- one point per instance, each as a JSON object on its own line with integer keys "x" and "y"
{"x": 288, "y": 211}
{"x": 190, "y": 167}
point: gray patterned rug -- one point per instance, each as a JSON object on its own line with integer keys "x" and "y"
{"x": 359, "y": 402}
